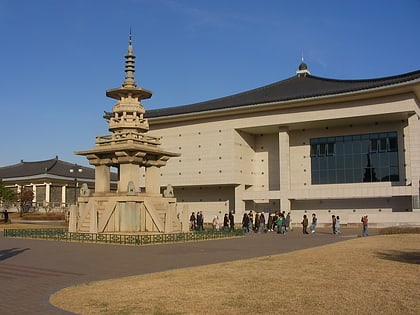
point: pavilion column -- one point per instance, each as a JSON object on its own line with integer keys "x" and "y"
{"x": 152, "y": 180}
{"x": 47, "y": 193}
{"x": 63, "y": 195}
{"x": 34, "y": 191}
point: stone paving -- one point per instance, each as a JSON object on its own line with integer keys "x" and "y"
{"x": 32, "y": 270}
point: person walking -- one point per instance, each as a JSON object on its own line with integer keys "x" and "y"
{"x": 305, "y": 224}
{"x": 200, "y": 221}
{"x": 231, "y": 221}
{"x": 314, "y": 223}
{"x": 337, "y": 225}
{"x": 288, "y": 222}
{"x": 245, "y": 223}
{"x": 215, "y": 223}
{"x": 334, "y": 220}
{"x": 251, "y": 221}
{"x": 261, "y": 228}
{"x": 226, "y": 222}
{"x": 193, "y": 222}
{"x": 365, "y": 225}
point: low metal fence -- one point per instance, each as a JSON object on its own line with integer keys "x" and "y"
{"x": 123, "y": 239}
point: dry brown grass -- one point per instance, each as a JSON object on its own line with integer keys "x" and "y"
{"x": 373, "y": 275}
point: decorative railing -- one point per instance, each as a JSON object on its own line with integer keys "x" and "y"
{"x": 123, "y": 239}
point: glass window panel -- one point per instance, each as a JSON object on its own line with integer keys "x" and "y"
{"x": 365, "y": 146}
{"x": 348, "y": 148}
{"x": 339, "y": 148}
{"x": 331, "y": 162}
{"x": 357, "y": 147}
{"x": 358, "y": 176}
{"x": 348, "y": 161}
{"x": 341, "y": 177}
{"x": 339, "y": 162}
{"x": 332, "y": 177}
{"x": 349, "y": 176}
{"x": 393, "y": 159}
{"x": 355, "y": 158}
{"x": 359, "y": 161}
{"x": 323, "y": 165}
{"x": 394, "y": 174}
{"x": 393, "y": 144}
{"x": 330, "y": 149}
{"x": 323, "y": 178}
{"x": 382, "y": 145}
{"x": 373, "y": 145}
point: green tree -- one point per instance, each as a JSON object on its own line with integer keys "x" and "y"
{"x": 6, "y": 194}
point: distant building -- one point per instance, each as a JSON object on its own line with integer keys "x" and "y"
{"x": 303, "y": 144}
{"x": 55, "y": 183}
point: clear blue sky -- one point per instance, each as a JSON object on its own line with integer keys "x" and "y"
{"x": 57, "y": 58}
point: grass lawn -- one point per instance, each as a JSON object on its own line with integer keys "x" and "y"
{"x": 372, "y": 275}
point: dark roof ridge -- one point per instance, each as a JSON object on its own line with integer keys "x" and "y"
{"x": 293, "y": 88}
{"x": 386, "y": 78}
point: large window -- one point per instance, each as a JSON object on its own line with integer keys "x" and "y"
{"x": 355, "y": 159}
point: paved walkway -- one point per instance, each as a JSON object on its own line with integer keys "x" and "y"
{"x": 32, "y": 270}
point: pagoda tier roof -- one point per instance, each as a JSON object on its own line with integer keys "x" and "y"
{"x": 292, "y": 89}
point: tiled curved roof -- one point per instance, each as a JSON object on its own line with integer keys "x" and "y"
{"x": 46, "y": 168}
{"x": 294, "y": 88}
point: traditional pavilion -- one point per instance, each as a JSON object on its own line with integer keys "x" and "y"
{"x": 55, "y": 183}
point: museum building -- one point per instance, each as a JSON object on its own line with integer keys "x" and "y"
{"x": 301, "y": 145}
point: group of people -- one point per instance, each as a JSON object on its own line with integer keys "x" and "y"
{"x": 336, "y": 224}
{"x": 278, "y": 221}
{"x": 197, "y": 221}
{"x": 305, "y": 222}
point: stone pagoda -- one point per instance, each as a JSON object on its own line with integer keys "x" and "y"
{"x": 128, "y": 148}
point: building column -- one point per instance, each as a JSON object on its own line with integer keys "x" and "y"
{"x": 284, "y": 160}
{"x": 412, "y": 158}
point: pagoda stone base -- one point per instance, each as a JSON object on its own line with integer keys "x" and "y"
{"x": 138, "y": 213}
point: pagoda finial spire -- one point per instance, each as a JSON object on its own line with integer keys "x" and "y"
{"x": 129, "y": 65}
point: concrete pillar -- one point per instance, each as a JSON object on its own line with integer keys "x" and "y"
{"x": 239, "y": 202}
{"x": 284, "y": 160}
{"x": 152, "y": 180}
{"x": 129, "y": 172}
{"x": 102, "y": 179}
